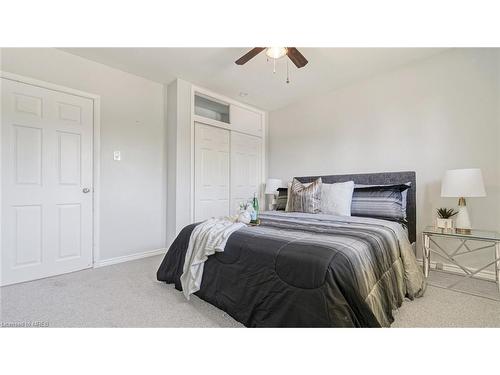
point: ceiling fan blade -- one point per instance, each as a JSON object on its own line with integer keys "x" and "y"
{"x": 297, "y": 58}
{"x": 249, "y": 55}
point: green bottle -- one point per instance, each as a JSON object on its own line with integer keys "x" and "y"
{"x": 255, "y": 204}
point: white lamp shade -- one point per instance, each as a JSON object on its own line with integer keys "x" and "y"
{"x": 272, "y": 185}
{"x": 463, "y": 183}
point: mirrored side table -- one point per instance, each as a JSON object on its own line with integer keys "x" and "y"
{"x": 488, "y": 240}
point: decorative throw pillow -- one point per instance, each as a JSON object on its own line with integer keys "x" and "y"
{"x": 303, "y": 198}
{"x": 336, "y": 198}
{"x": 382, "y": 202}
{"x": 288, "y": 194}
{"x": 287, "y": 207}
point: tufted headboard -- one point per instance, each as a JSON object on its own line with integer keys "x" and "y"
{"x": 385, "y": 178}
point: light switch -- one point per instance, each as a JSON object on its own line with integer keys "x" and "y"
{"x": 117, "y": 155}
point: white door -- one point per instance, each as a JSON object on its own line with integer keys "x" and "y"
{"x": 211, "y": 194}
{"x": 246, "y": 168}
{"x": 46, "y": 171}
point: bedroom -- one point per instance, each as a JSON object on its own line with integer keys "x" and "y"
{"x": 345, "y": 186}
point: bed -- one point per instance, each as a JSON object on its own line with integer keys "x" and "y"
{"x": 311, "y": 270}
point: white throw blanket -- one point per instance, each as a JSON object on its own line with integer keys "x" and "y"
{"x": 207, "y": 238}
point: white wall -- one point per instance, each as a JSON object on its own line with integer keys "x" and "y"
{"x": 133, "y": 207}
{"x": 435, "y": 114}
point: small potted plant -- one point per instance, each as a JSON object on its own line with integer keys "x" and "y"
{"x": 444, "y": 220}
{"x": 245, "y": 215}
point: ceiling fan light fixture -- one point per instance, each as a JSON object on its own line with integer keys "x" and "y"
{"x": 276, "y": 52}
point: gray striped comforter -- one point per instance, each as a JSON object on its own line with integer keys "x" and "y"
{"x": 307, "y": 270}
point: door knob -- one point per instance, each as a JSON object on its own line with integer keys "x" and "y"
{"x": 86, "y": 190}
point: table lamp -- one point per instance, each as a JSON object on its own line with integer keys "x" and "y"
{"x": 272, "y": 186}
{"x": 463, "y": 183}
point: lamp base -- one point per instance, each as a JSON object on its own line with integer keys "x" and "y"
{"x": 271, "y": 206}
{"x": 462, "y": 224}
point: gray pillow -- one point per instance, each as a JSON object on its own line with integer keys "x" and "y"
{"x": 382, "y": 202}
{"x": 305, "y": 198}
{"x": 282, "y": 198}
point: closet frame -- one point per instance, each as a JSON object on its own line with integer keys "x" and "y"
{"x": 228, "y": 126}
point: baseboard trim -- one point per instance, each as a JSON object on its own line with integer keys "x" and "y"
{"x": 484, "y": 274}
{"x": 128, "y": 258}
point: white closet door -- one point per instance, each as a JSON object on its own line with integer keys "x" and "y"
{"x": 46, "y": 164}
{"x": 211, "y": 172}
{"x": 246, "y": 168}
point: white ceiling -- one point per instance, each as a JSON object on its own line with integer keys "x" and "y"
{"x": 214, "y": 68}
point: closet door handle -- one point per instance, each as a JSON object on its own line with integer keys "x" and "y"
{"x": 86, "y": 190}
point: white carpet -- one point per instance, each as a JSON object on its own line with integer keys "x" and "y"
{"x": 128, "y": 295}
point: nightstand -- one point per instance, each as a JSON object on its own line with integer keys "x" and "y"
{"x": 488, "y": 240}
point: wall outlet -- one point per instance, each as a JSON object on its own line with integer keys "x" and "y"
{"x": 117, "y": 155}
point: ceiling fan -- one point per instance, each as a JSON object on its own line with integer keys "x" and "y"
{"x": 275, "y": 53}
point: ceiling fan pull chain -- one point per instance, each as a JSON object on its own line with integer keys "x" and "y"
{"x": 287, "y": 73}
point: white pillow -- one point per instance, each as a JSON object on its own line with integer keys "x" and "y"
{"x": 336, "y": 198}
